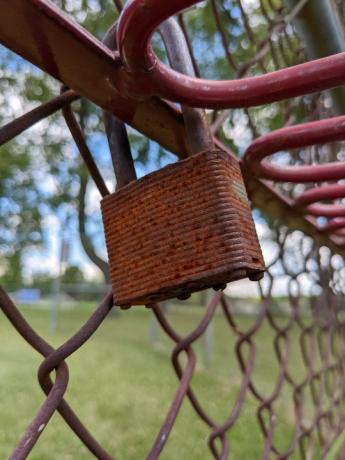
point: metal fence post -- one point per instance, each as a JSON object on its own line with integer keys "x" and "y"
{"x": 319, "y": 28}
{"x": 207, "y": 339}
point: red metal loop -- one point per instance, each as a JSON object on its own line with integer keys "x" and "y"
{"x": 335, "y": 224}
{"x": 314, "y": 196}
{"x": 300, "y": 136}
{"x": 323, "y": 193}
{"x": 137, "y": 23}
{"x": 297, "y": 137}
{"x": 326, "y": 210}
{"x": 340, "y": 231}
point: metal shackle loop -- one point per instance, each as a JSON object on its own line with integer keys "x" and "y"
{"x": 116, "y": 132}
{"x": 198, "y": 132}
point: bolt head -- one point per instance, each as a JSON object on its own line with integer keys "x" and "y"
{"x": 219, "y": 287}
{"x": 256, "y": 276}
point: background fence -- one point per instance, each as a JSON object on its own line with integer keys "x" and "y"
{"x": 301, "y": 297}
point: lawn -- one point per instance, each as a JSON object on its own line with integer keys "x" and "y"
{"x": 121, "y": 387}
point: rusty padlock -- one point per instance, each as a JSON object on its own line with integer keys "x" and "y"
{"x": 185, "y": 227}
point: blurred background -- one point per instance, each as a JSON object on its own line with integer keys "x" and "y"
{"x": 53, "y": 259}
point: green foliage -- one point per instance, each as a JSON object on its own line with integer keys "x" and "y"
{"x": 20, "y": 216}
{"x": 44, "y": 282}
{"x": 72, "y": 275}
{"x": 12, "y": 277}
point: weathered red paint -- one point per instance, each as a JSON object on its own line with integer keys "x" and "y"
{"x": 300, "y": 136}
{"x": 137, "y": 23}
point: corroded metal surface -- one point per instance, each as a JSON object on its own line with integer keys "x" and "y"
{"x": 183, "y": 228}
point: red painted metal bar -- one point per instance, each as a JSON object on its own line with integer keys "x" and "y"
{"x": 143, "y": 74}
{"x": 42, "y": 34}
{"x": 299, "y": 136}
{"x": 326, "y": 210}
{"x": 64, "y": 49}
{"x": 323, "y": 193}
{"x": 340, "y": 232}
{"x": 335, "y": 224}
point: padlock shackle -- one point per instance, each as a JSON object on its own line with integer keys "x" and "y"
{"x": 198, "y": 132}
{"x": 116, "y": 132}
{"x": 176, "y": 47}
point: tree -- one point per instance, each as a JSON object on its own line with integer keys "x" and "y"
{"x": 40, "y": 171}
{"x": 20, "y": 216}
{"x": 72, "y": 275}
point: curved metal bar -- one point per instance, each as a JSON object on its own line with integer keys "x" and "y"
{"x": 197, "y": 128}
{"x": 340, "y": 231}
{"x": 304, "y": 173}
{"x": 293, "y": 137}
{"x": 335, "y": 224}
{"x": 296, "y": 137}
{"x": 326, "y": 210}
{"x": 323, "y": 193}
{"x": 314, "y": 196}
{"x": 137, "y": 23}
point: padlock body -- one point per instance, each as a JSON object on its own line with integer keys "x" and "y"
{"x": 181, "y": 229}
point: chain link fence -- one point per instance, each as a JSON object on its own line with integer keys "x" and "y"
{"x": 301, "y": 296}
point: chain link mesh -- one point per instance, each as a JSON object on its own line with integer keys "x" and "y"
{"x": 307, "y": 322}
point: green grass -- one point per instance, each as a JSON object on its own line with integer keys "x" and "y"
{"x": 121, "y": 387}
